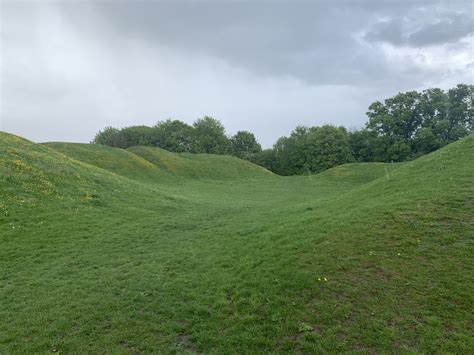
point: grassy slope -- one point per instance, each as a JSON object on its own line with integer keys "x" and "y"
{"x": 149, "y": 164}
{"x": 118, "y": 161}
{"x": 109, "y": 263}
{"x": 201, "y": 166}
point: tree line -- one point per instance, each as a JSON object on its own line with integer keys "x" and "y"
{"x": 205, "y": 135}
{"x": 401, "y": 128}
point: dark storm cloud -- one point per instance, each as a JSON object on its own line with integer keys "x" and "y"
{"x": 311, "y": 41}
{"x": 444, "y": 31}
{"x": 71, "y": 67}
{"x": 397, "y": 31}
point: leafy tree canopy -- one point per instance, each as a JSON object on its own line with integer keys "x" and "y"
{"x": 209, "y": 137}
{"x": 244, "y": 144}
{"x": 173, "y": 135}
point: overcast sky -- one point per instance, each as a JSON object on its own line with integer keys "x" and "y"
{"x": 70, "y": 68}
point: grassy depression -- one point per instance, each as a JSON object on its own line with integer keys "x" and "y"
{"x": 142, "y": 250}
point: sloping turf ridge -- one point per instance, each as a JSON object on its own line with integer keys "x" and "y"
{"x": 201, "y": 166}
{"x": 35, "y": 171}
{"x": 236, "y": 266}
{"x": 32, "y": 174}
{"x": 155, "y": 164}
{"x": 118, "y": 161}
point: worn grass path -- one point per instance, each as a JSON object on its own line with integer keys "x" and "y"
{"x": 105, "y": 250}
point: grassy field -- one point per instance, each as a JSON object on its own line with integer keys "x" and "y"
{"x": 126, "y": 251}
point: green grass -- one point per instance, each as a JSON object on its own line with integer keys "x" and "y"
{"x": 106, "y": 250}
{"x": 201, "y": 166}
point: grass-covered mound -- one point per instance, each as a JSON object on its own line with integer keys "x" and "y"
{"x": 201, "y": 166}
{"x": 148, "y": 164}
{"x": 33, "y": 173}
{"x": 362, "y": 258}
{"x": 118, "y": 161}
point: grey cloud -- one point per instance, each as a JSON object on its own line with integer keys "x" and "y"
{"x": 309, "y": 40}
{"x": 444, "y": 31}
{"x": 430, "y": 31}
{"x": 387, "y": 31}
{"x": 312, "y": 41}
